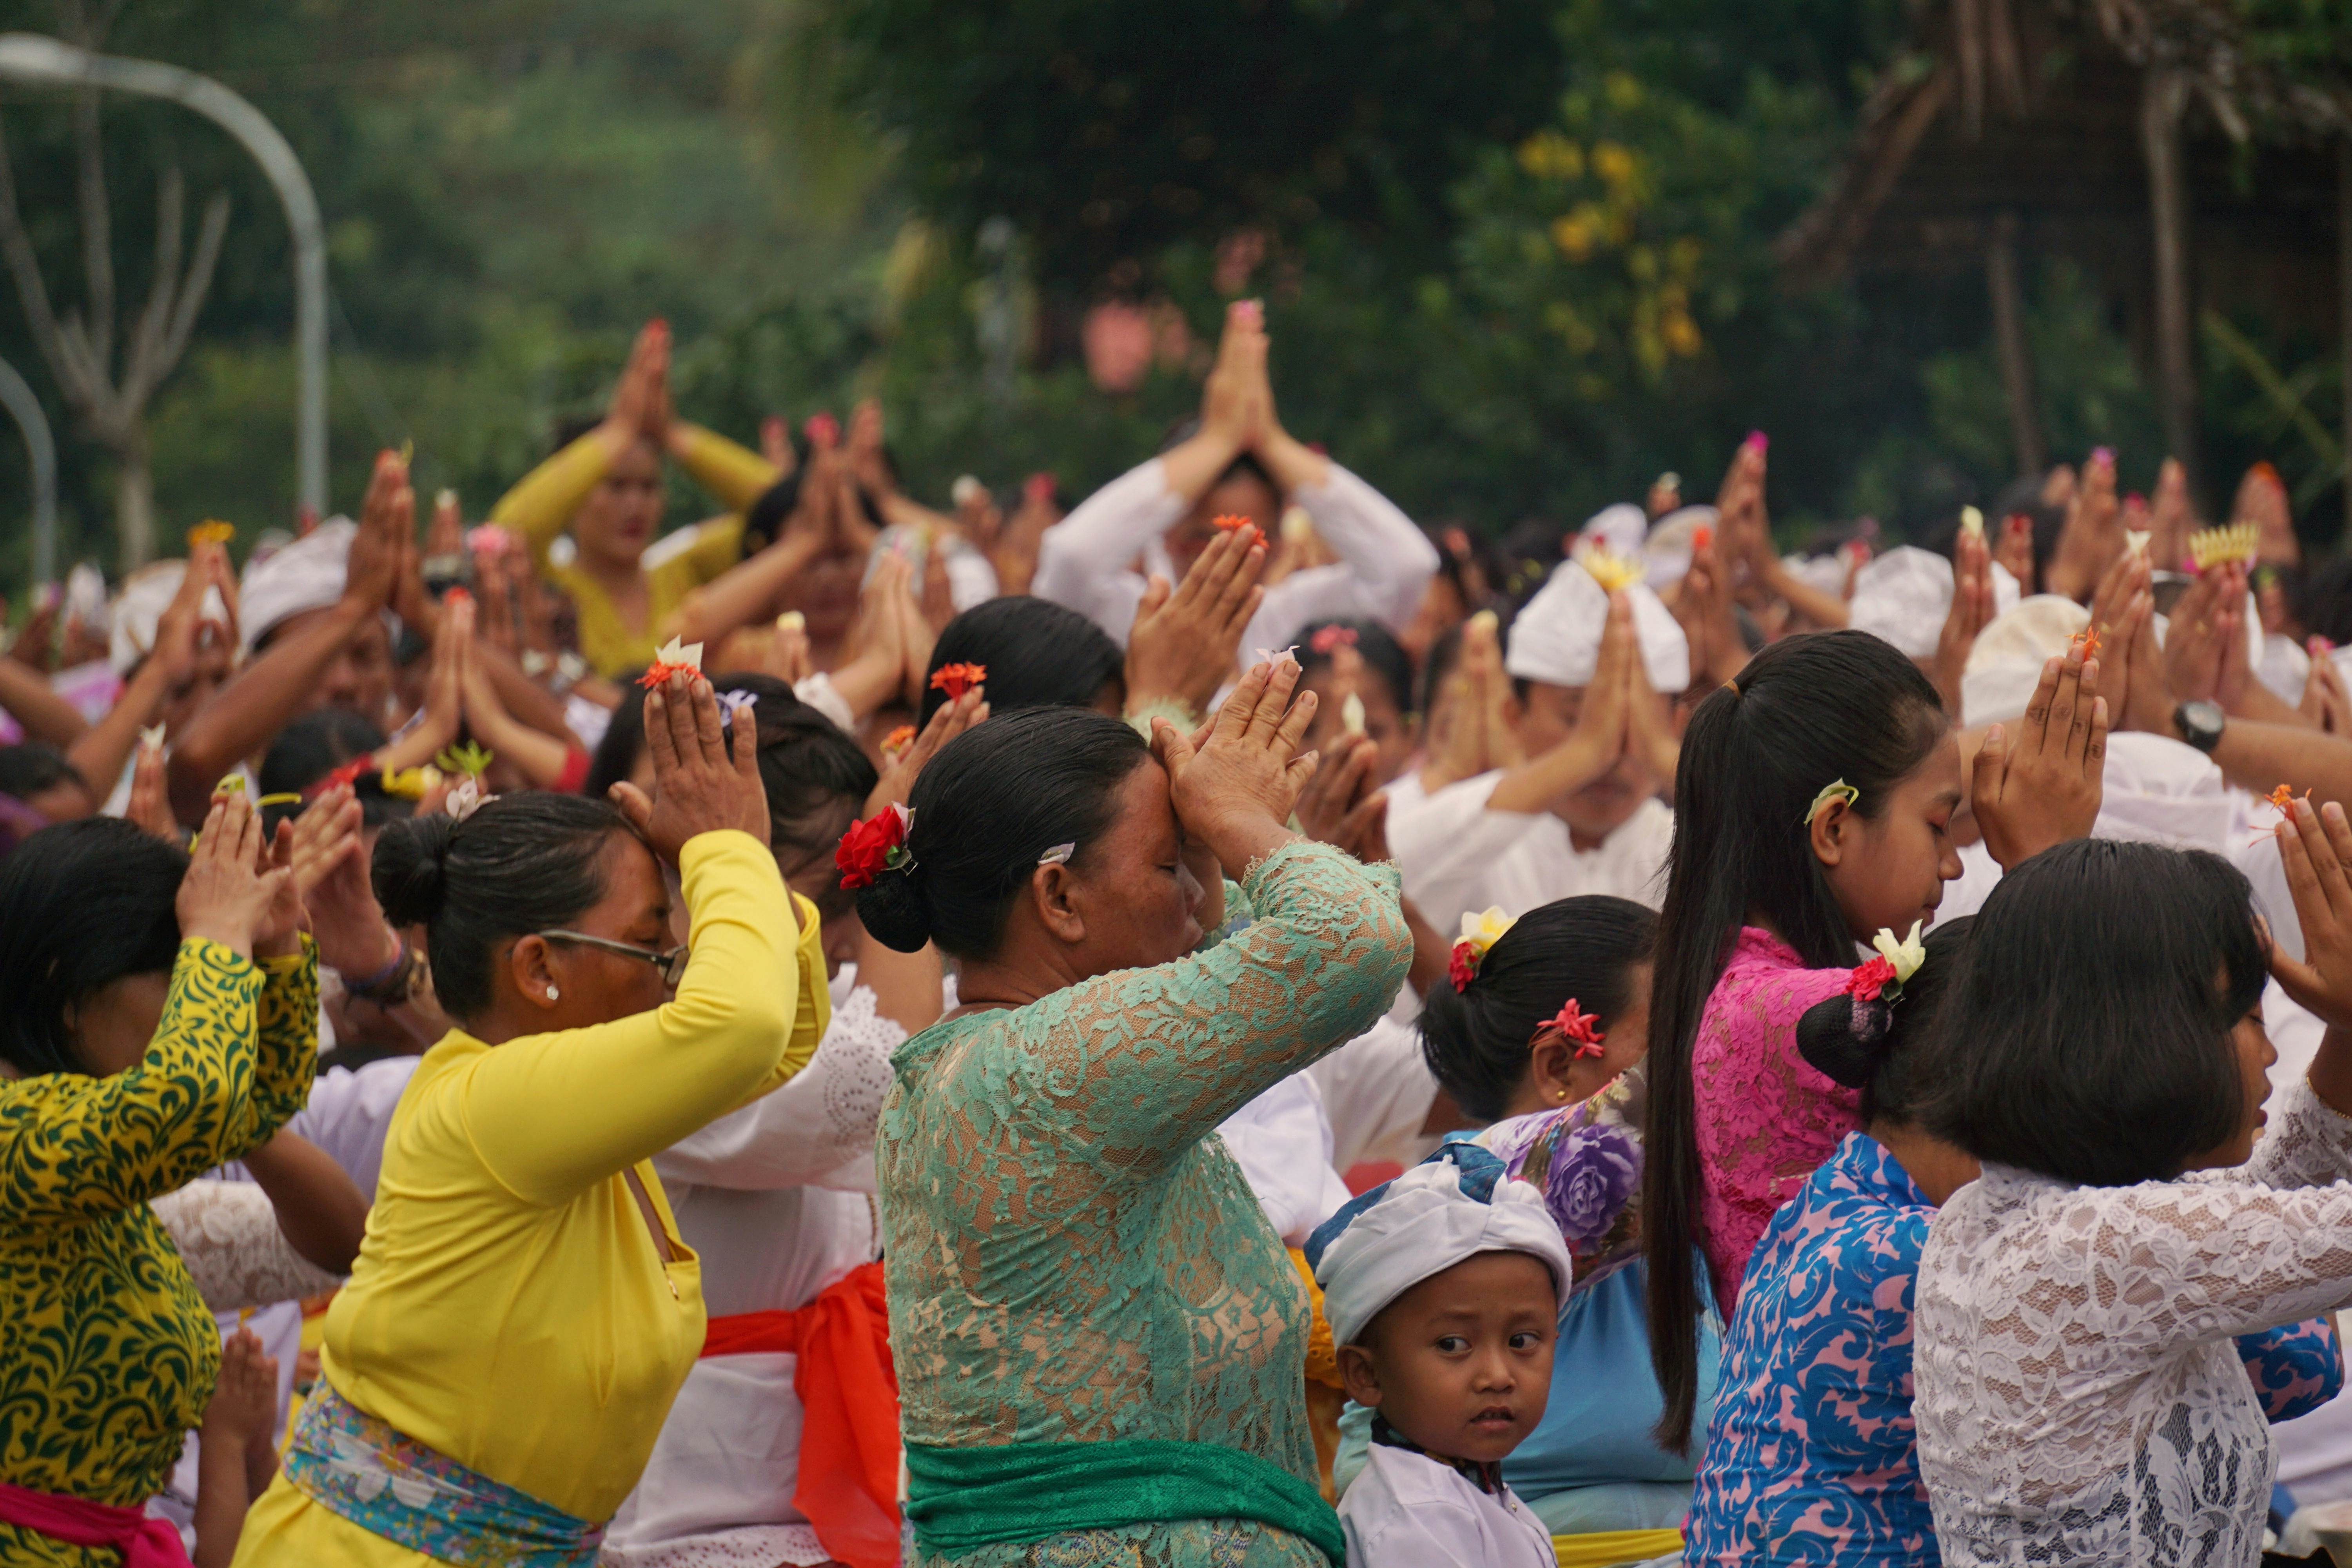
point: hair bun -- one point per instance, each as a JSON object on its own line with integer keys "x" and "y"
{"x": 1844, "y": 1037}
{"x": 895, "y": 911}
{"x": 410, "y": 869}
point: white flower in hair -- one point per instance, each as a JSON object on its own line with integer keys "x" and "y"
{"x": 1906, "y": 955}
{"x": 465, "y": 799}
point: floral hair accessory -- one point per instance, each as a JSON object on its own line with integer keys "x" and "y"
{"x": 2211, "y": 547}
{"x": 955, "y": 680}
{"x": 732, "y": 703}
{"x": 1351, "y": 714}
{"x": 1479, "y": 933}
{"x": 468, "y": 759}
{"x": 1325, "y": 638}
{"x": 1579, "y": 1027}
{"x": 875, "y": 846}
{"x": 675, "y": 659}
{"x": 1971, "y": 522}
{"x": 212, "y": 531}
{"x": 1882, "y": 979}
{"x": 1608, "y": 568}
{"x": 1059, "y": 854}
{"x": 409, "y": 784}
{"x": 465, "y": 799}
{"x": 1836, "y": 789}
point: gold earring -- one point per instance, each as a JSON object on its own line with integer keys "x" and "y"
{"x": 1560, "y": 1094}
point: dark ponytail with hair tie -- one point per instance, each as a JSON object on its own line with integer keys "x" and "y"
{"x": 1873, "y": 1044}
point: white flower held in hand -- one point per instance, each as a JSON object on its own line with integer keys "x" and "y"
{"x": 1351, "y": 714}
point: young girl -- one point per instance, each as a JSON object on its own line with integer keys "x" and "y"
{"x": 1568, "y": 1116}
{"x": 2079, "y": 1400}
{"x": 1815, "y": 797}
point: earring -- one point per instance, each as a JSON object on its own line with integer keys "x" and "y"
{"x": 1560, "y": 1094}
{"x": 553, "y": 994}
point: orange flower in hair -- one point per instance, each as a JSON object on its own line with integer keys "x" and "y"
{"x": 955, "y": 680}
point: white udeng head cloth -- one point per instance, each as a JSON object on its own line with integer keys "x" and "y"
{"x": 1556, "y": 638}
{"x": 307, "y": 574}
{"x": 1905, "y": 594}
{"x": 1453, "y": 1207}
{"x": 2005, "y": 665}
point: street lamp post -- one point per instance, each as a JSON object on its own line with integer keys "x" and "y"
{"x": 42, "y": 447}
{"x": 33, "y": 60}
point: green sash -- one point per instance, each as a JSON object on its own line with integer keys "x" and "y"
{"x": 959, "y": 1498}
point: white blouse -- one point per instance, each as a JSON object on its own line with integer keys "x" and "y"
{"x": 2079, "y": 1399}
{"x": 773, "y": 1197}
{"x": 1087, "y": 561}
{"x": 228, "y": 1235}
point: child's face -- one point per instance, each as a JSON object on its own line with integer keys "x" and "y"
{"x": 1461, "y": 1363}
{"x": 1890, "y": 870}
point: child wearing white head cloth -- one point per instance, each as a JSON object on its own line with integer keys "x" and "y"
{"x": 1582, "y": 815}
{"x": 1444, "y": 1287}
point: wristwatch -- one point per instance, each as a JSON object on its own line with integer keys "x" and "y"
{"x": 2200, "y": 724}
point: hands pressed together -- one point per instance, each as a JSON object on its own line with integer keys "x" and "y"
{"x": 2041, "y": 785}
{"x": 1234, "y": 782}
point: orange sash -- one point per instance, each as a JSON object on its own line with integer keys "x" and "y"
{"x": 848, "y": 1390}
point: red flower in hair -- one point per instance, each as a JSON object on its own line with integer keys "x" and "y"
{"x": 1579, "y": 1027}
{"x": 1461, "y": 965}
{"x": 1325, "y": 638}
{"x": 1870, "y": 979}
{"x": 872, "y": 848}
{"x": 955, "y": 680}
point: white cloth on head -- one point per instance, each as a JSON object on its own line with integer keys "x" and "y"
{"x": 1422, "y": 1223}
{"x": 1406, "y": 1510}
{"x": 138, "y": 610}
{"x": 305, "y": 575}
{"x": 1088, "y": 560}
{"x": 1905, "y": 596}
{"x": 1556, "y": 638}
{"x": 1822, "y": 574}
{"x": 1621, "y": 528}
{"x": 1282, "y": 1140}
{"x": 2006, "y": 663}
{"x": 1667, "y": 553}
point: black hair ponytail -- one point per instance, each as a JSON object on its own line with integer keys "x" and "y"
{"x": 1807, "y": 711}
{"x": 1476, "y": 1040}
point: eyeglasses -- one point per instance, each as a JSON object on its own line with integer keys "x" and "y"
{"x": 672, "y": 963}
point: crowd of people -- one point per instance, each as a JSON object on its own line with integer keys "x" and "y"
{"x": 1223, "y": 1028}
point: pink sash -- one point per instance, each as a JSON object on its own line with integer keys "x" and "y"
{"x": 144, "y": 1542}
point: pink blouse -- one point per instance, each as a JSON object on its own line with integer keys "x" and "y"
{"x": 1766, "y": 1118}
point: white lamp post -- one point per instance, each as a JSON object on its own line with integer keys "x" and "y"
{"x": 32, "y": 60}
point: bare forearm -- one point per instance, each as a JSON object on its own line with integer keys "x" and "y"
{"x": 1295, "y": 467}
{"x": 221, "y": 1499}
{"x": 243, "y": 715}
{"x": 102, "y": 749}
{"x": 743, "y": 594}
{"x": 526, "y": 700}
{"x": 27, "y": 696}
{"x": 1821, "y": 609}
{"x": 2260, "y": 757}
{"x": 540, "y": 757}
{"x": 867, "y": 681}
{"x": 1537, "y": 783}
{"x": 320, "y": 1210}
{"x": 1190, "y": 469}
{"x": 1431, "y": 951}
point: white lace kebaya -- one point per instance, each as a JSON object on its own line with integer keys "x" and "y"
{"x": 2079, "y": 1400}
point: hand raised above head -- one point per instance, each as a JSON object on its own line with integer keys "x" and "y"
{"x": 1236, "y": 784}
{"x": 2043, "y": 785}
{"x": 697, "y": 788}
{"x": 227, "y": 896}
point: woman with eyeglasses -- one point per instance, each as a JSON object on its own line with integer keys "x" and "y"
{"x": 522, "y": 1311}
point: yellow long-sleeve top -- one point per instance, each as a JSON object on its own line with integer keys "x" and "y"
{"x": 540, "y": 508}
{"x": 510, "y": 1307}
{"x": 107, "y": 1355}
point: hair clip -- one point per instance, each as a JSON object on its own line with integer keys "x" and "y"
{"x": 1837, "y": 790}
{"x": 1334, "y": 636}
{"x": 1059, "y": 854}
{"x": 1479, "y": 933}
{"x": 1579, "y": 1027}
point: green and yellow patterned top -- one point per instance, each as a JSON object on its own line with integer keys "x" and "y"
{"x": 1072, "y": 1256}
{"x": 108, "y": 1356}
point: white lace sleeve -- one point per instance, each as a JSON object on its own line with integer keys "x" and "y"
{"x": 815, "y": 1131}
{"x": 227, "y": 1235}
{"x": 2308, "y": 1146}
